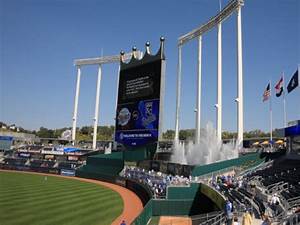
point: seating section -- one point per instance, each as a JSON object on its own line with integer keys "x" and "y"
{"x": 292, "y": 192}
{"x": 280, "y": 179}
{"x": 15, "y": 161}
{"x": 284, "y": 171}
{"x": 37, "y": 165}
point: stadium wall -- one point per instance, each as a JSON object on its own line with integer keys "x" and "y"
{"x": 190, "y": 192}
{"x": 252, "y": 158}
{"x": 142, "y": 191}
{"x": 102, "y": 167}
{"x": 183, "y": 201}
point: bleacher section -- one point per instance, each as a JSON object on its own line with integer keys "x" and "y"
{"x": 35, "y": 162}
{"x": 280, "y": 178}
{"x": 286, "y": 171}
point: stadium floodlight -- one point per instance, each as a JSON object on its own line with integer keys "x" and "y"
{"x": 216, "y": 21}
{"x": 95, "y": 61}
{"x": 102, "y": 60}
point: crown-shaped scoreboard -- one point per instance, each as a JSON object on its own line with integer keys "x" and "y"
{"x": 140, "y": 98}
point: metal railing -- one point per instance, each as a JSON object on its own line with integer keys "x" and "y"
{"x": 215, "y": 220}
{"x": 293, "y": 219}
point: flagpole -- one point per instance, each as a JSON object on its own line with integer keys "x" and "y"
{"x": 271, "y": 119}
{"x": 284, "y": 102}
{"x": 299, "y": 79}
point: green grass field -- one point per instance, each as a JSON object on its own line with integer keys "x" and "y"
{"x": 27, "y": 199}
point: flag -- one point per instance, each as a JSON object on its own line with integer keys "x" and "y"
{"x": 267, "y": 93}
{"x": 294, "y": 82}
{"x": 279, "y": 87}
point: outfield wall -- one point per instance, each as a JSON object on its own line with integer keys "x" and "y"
{"x": 252, "y": 159}
{"x": 182, "y": 201}
{"x": 193, "y": 200}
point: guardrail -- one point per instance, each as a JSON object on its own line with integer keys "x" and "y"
{"x": 209, "y": 218}
{"x": 218, "y": 220}
{"x": 293, "y": 219}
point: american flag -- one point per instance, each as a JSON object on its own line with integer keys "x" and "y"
{"x": 267, "y": 93}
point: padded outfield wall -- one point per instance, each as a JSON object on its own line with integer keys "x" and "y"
{"x": 183, "y": 201}
{"x": 252, "y": 159}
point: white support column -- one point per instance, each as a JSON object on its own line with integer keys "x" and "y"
{"x": 240, "y": 100}
{"x": 117, "y": 89}
{"x": 198, "y": 103}
{"x": 76, "y": 104}
{"x": 97, "y": 107}
{"x": 178, "y": 92}
{"x": 162, "y": 100}
{"x": 219, "y": 89}
{"x": 116, "y": 105}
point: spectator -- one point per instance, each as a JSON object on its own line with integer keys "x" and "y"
{"x": 247, "y": 218}
{"x": 228, "y": 211}
{"x": 235, "y": 221}
{"x": 266, "y": 220}
{"x": 275, "y": 201}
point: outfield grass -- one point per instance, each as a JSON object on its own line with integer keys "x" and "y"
{"x": 27, "y": 199}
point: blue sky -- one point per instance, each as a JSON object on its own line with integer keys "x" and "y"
{"x": 40, "y": 39}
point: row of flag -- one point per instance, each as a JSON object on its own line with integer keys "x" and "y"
{"x": 279, "y": 87}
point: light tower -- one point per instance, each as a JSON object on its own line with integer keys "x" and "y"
{"x": 216, "y": 21}
{"x": 93, "y": 61}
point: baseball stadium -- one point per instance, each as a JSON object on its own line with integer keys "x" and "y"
{"x": 139, "y": 177}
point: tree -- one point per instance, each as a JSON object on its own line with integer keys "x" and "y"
{"x": 169, "y": 135}
{"x": 45, "y": 133}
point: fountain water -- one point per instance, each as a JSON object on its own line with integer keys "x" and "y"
{"x": 209, "y": 150}
{"x": 107, "y": 150}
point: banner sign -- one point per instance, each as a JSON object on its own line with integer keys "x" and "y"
{"x": 52, "y": 152}
{"x": 292, "y": 131}
{"x": 139, "y": 94}
{"x": 73, "y": 158}
{"x": 24, "y": 155}
{"x": 69, "y": 173}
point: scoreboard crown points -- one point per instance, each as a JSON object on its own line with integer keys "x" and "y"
{"x": 147, "y": 56}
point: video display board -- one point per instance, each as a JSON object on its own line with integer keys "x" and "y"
{"x": 137, "y": 116}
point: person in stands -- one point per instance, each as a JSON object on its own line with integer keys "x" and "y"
{"x": 247, "y": 218}
{"x": 235, "y": 221}
{"x": 228, "y": 211}
{"x": 266, "y": 220}
{"x": 275, "y": 201}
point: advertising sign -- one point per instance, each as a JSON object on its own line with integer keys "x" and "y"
{"x": 73, "y": 158}
{"x": 24, "y": 155}
{"x": 69, "y": 173}
{"x": 139, "y": 94}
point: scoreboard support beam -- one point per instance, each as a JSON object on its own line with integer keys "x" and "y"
{"x": 93, "y": 61}
{"x": 97, "y": 107}
{"x": 216, "y": 21}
